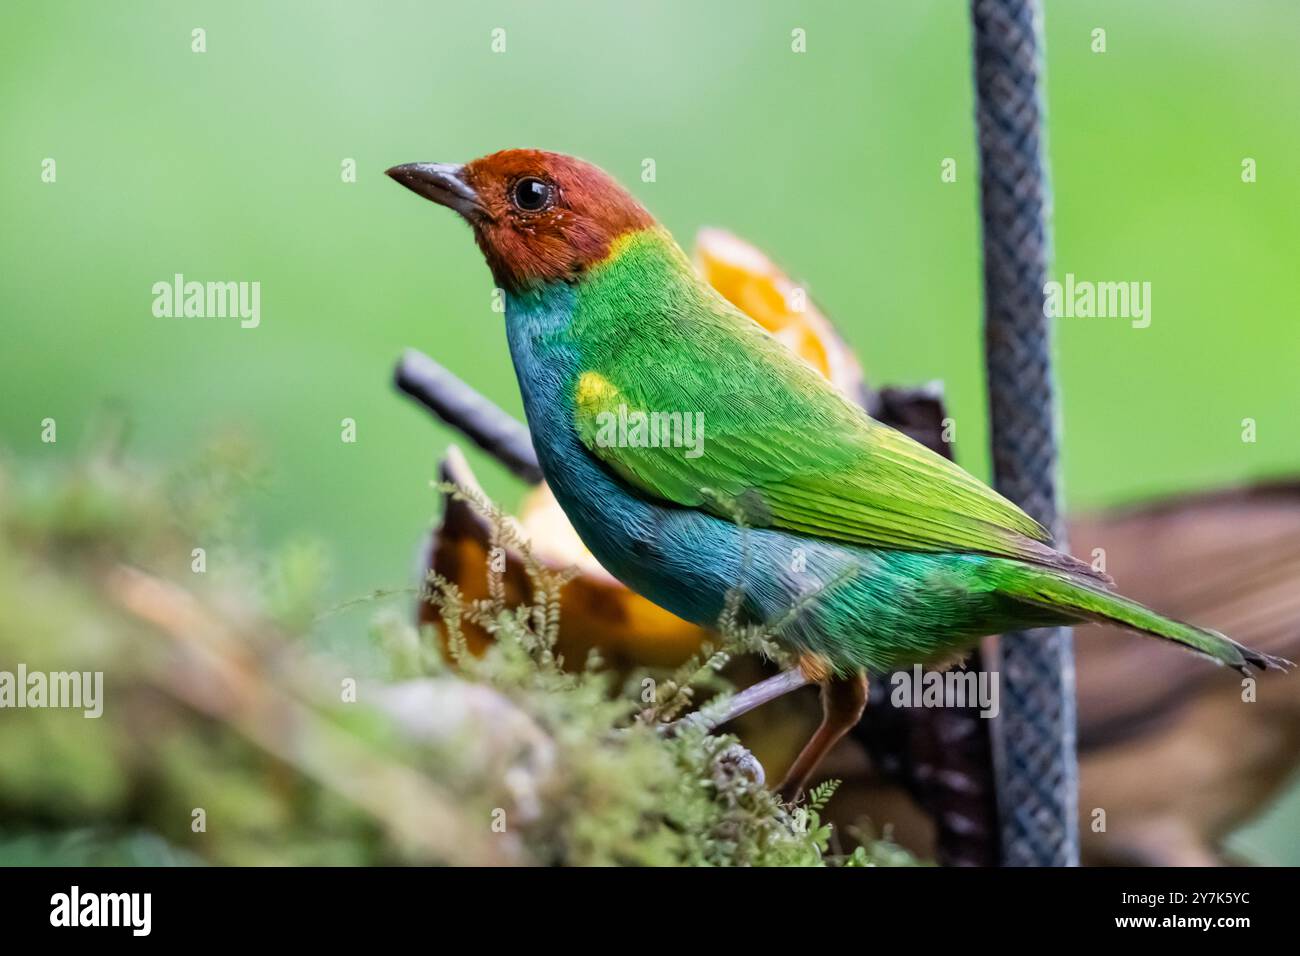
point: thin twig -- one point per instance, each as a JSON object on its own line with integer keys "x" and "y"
{"x": 499, "y": 434}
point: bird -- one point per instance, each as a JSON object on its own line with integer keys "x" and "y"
{"x": 713, "y": 471}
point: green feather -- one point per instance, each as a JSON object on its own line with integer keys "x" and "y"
{"x": 782, "y": 447}
{"x": 1059, "y": 593}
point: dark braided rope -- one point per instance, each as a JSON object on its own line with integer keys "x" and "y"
{"x": 1034, "y": 740}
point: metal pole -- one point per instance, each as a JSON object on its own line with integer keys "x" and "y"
{"x": 1034, "y": 739}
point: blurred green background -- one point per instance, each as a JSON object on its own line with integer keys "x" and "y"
{"x": 225, "y": 165}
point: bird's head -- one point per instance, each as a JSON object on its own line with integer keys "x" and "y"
{"x": 538, "y": 217}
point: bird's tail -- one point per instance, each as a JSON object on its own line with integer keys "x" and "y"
{"x": 1087, "y": 601}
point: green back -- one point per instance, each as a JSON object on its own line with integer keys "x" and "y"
{"x": 781, "y": 447}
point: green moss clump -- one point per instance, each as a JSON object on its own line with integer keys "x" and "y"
{"x": 230, "y": 735}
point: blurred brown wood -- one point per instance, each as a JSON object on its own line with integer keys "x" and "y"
{"x": 1171, "y": 752}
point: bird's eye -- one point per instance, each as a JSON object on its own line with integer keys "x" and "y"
{"x": 532, "y": 194}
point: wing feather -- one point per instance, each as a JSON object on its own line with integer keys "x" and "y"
{"x": 783, "y": 448}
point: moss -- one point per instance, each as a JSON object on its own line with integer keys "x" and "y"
{"x": 221, "y": 705}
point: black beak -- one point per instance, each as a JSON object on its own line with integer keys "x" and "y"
{"x": 443, "y": 183}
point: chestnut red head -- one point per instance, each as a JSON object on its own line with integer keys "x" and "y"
{"x": 538, "y": 217}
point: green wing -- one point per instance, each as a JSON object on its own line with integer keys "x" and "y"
{"x": 780, "y": 446}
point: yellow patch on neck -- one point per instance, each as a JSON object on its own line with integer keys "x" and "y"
{"x": 637, "y": 237}
{"x": 595, "y": 391}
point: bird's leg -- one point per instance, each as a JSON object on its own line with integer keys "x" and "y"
{"x": 756, "y": 695}
{"x": 843, "y": 700}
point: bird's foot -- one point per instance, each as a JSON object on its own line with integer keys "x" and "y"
{"x": 843, "y": 700}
